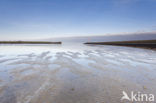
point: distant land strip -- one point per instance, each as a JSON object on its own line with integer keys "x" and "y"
{"x": 136, "y": 43}
{"x": 29, "y": 42}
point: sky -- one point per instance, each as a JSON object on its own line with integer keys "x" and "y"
{"x": 33, "y": 19}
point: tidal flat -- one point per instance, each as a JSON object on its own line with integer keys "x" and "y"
{"x": 74, "y": 73}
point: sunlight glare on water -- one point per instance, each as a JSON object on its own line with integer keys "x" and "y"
{"x": 74, "y": 74}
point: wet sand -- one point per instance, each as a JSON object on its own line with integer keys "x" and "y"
{"x": 78, "y": 74}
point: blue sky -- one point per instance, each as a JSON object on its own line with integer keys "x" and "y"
{"x": 27, "y": 19}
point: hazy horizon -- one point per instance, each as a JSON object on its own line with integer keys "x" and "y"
{"x": 100, "y": 38}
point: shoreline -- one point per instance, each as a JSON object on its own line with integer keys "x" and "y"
{"x": 136, "y": 43}
{"x": 29, "y": 42}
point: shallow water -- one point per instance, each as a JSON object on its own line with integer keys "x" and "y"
{"x": 74, "y": 73}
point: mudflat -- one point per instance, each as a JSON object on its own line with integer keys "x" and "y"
{"x": 74, "y": 74}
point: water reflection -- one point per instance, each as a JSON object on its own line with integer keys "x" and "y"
{"x": 74, "y": 74}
